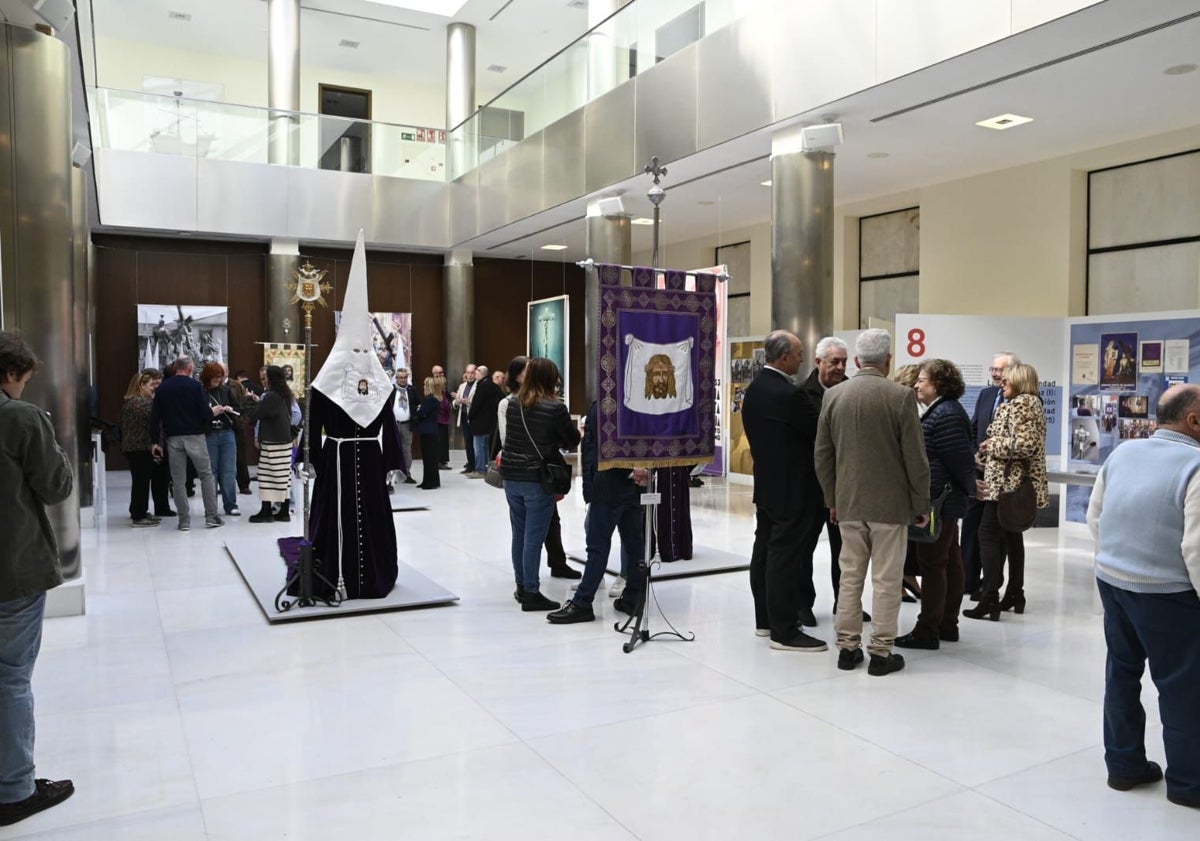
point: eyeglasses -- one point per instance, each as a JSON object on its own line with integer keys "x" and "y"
{"x": 995, "y": 370}
{"x": 922, "y": 379}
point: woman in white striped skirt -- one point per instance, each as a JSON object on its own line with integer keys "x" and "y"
{"x": 274, "y": 416}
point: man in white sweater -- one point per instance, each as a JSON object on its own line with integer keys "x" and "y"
{"x": 1144, "y": 515}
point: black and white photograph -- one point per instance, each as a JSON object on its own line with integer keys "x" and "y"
{"x": 168, "y": 331}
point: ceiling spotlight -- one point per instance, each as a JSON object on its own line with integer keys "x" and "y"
{"x": 554, "y": 248}
{"x": 706, "y": 203}
{"x": 1180, "y": 69}
{"x": 496, "y": 68}
{"x": 348, "y": 44}
{"x": 878, "y": 156}
{"x": 641, "y": 220}
{"x": 766, "y": 183}
{"x": 1004, "y": 121}
{"x": 184, "y": 16}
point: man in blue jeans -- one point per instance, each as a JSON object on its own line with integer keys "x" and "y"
{"x": 1144, "y": 515}
{"x": 614, "y": 502}
{"x": 34, "y": 473}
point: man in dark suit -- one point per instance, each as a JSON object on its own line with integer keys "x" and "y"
{"x": 985, "y": 410}
{"x": 781, "y": 424}
{"x": 831, "y": 354}
{"x": 405, "y": 400}
{"x": 482, "y": 418}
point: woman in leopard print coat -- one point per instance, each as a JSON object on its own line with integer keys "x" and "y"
{"x": 1015, "y": 448}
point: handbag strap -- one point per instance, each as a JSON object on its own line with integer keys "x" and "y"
{"x": 536, "y": 448}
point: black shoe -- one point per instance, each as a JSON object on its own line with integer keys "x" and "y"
{"x": 849, "y": 660}
{"x": 191, "y": 491}
{"x": 264, "y": 515}
{"x": 1152, "y": 774}
{"x": 167, "y": 513}
{"x": 866, "y": 616}
{"x": 626, "y": 606}
{"x": 564, "y": 571}
{"x": 535, "y": 601}
{"x": 807, "y": 619}
{"x": 282, "y": 517}
{"x": 696, "y": 482}
{"x": 1014, "y": 602}
{"x": 46, "y": 793}
{"x": 517, "y": 595}
{"x": 391, "y": 488}
{"x": 911, "y": 640}
{"x": 948, "y": 635}
{"x": 409, "y": 480}
{"x": 801, "y": 642}
{"x": 907, "y": 599}
{"x": 885, "y": 664}
{"x": 245, "y": 491}
{"x": 444, "y": 467}
{"x": 570, "y": 613}
{"x": 988, "y": 608}
{"x": 976, "y": 595}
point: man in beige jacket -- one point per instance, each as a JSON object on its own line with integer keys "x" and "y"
{"x": 871, "y": 463}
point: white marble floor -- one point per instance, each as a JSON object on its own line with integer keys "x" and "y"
{"x": 181, "y": 714}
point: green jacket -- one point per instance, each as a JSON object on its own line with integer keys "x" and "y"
{"x": 34, "y": 473}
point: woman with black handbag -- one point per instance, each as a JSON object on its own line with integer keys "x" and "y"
{"x": 1014, "y": 468}
{"x": 536, "y": 427}
{"x": 948, "y": 444}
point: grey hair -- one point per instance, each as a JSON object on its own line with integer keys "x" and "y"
{"x": 872, "y": 347}
{"x": 1016, "y": 360}
{"x": 777, "y": 344}
{"x": 481, "y": 370}
{"x": 403, "y": 371}
{"x": 830, "y": 343}
{"x": 184, "y": 362}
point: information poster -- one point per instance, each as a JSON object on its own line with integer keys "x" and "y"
{"x": 1138, "y": 358}
{"x": 746, "y": 359}
{"x": 548, "y": 334}
{"x": 169, "y": 331}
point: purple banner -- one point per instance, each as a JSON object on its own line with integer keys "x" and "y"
{"x": 657, "y": 360}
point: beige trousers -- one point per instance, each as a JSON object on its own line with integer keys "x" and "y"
{"x": 883, "y": 546}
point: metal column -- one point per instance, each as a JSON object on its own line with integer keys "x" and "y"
{"x": 282, "y": 316}
{"x": 609, "y": 240}
{"x": 283, "y": 80}
{"x": 459, "y": 274}
{"x": 37, "y": 249}
{"x": 802, "y": 246}
{"x": 460, "y": 97}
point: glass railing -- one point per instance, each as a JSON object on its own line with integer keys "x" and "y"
{"x": 168, "y": 125}
{"x": 630, "y": 41}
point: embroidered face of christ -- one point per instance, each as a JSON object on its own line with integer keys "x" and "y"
{"x": 363, "y": 388}
{"x": 660, "y": 377}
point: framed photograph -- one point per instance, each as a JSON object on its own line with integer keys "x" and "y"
{"x": 168, "y": 331}
{"x": 548, "y": 334}
{"x": 1133, "y": 406}
{"x": 1118, "y": 361}
{"x": 1151, "y": 357}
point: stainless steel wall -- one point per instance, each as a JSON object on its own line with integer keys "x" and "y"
{"x": 37, "y": 245}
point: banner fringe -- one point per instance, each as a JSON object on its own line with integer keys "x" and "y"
{"x": 647, "y": 463}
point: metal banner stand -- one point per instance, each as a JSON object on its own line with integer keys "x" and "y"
{"x": 640, "y": 632}
{"x": 310, "y": 286}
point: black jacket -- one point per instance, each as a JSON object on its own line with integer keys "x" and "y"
{"x": 813, "y": 388}
{"x": 781, "y": 426}
{"x": 550, "y": 425}
{"x": 614, "y": 486}
{"x": 484, "y": 404}
{"x": 180, "y": 407}
{"x": 414, "y": 401}
{"x": 426, "y": 415}
{"x": 273, "y": 415}
{"x": 951, "y": 456}
{"x": 984, "y": 412}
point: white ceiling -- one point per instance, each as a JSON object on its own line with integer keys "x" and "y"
{"x": 393, "y": 42}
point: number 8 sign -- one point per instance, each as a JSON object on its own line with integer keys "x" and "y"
{"x": 916, "y": 343}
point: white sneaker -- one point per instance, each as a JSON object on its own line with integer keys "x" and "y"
{"x": 618, "y": 587}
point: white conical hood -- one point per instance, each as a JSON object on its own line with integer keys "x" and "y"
{"x": 352, "y": 367}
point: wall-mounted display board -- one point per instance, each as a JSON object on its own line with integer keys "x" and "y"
{"x": 1119, "y": 367}
{"x": 970, "y": 342}
{"x": 547, "y": 333}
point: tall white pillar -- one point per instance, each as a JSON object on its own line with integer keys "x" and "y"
{"x": 283, "y": 80}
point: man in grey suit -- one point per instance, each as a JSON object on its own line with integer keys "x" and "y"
{"x": 871, "y": 463}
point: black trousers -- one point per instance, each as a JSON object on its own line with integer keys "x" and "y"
{"x": 835, "y": 550}
{"x": 994, "y": 544}
{"x": 556, "y": 556}
{"x": 469, "y": 444}
{"x": 429, "y": 460}
{"x": 243, "y": 469}
{"x": 442, "y": 447}
{"x": 781, "y": 568}
{"x": 141, "y": 467}
{"x": 972, "y": 568}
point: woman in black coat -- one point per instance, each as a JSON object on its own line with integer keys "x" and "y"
{"x": 427, "y": 428}
{"x": 948, "y": 444}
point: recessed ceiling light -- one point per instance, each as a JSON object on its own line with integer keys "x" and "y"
{"x": 184, "y": 16}
{"x": 1180, "y": 69}
{"x": 878, "y": 156}
{"x": 554, "y": 248}
{"x": 445, "y": 8}
{"x": 641, "y": 220}
{"x": 766, "y": 183}
{"x": 1004, "y": 121}
{"x": 348, "y": 44}
{"x": 496, "y": 68}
